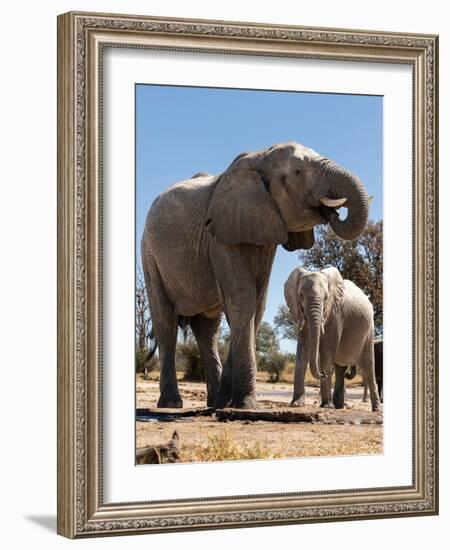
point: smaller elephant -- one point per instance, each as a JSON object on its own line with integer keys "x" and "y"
{"x": 334, "y": 319}
{"x": 378, "y": 350}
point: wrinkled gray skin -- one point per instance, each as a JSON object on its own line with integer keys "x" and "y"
{"x": 208, "y": 247}
{"x": 335, "y": 329}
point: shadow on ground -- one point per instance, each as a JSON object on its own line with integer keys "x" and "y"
{"x": 46, "y": 522}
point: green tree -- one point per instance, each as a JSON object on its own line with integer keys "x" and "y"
{"x": 266, "y": 339}
{"x": 189, "y": 360}
{"x": 274, "y": 363}
{"x": 284, "y": 326}
{"x": 268, "y": 355}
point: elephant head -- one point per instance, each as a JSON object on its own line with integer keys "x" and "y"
{"x": 278, "y": 195}
{"x": 312, "y": 297}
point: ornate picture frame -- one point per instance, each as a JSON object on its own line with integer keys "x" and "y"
{"x": 82, "y": 38}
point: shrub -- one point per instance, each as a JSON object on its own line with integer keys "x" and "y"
{"x": 188, "y": 357}
{"x": 143, "y": 364}
{"x": 274, "y": 363}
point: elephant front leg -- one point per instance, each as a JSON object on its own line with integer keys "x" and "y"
{"x": 225, "y": 391}
{"x": 325, "y": 392}
{"x": 237, "y": 386}
{"x": 241, "y": 318}
{"x": 301, "y": 363}
{"x": 234, "y": 268}
{"x": 243, "y": 367}
{"x": 326, "y": 383}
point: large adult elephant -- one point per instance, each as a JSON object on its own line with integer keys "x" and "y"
{"x": 335, "y": 326}
{"x": 208, "y": 247}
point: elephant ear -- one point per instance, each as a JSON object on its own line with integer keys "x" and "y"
{"x": 242, "y": 211}
{"x": 335, "y": 291}
{"x": 299, "y": 239}
{"x": 292, "y": 296}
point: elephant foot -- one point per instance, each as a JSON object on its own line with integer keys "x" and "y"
{"x": 365, "y": 399}
{"x": 170, "y": 402}
{"x": 248, "y": 402}
{"x": 223, "y": 397}
{"x": 211, "y": 401}
{"x": 338, "y": 403}
{"x": 327, "y": 405}
{"x": 221, "y": 401}
{"x": 300, "y": 402}
{"x": 376, "y": 407}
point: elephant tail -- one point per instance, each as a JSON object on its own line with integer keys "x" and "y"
{"x": 350, "y": 374}
{"x": 151, "y": 351}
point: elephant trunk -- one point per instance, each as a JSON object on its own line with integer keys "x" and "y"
{"x": 314, "y": 323}
{"x": 344, "y": 184}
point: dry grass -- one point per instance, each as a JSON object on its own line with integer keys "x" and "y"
{"x": 222, "y": 446}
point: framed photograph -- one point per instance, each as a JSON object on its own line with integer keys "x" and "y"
{"x": 247, "y": 274}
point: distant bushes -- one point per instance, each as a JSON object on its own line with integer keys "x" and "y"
{"x": 145, "y": 365}
{"x": 269, "y": 358}
{"x": 274, "y": 363}
{"x": 190, "y": 362}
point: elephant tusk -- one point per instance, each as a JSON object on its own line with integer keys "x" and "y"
{"x": 333, "y": 203}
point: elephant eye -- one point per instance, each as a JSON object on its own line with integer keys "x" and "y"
{"x": 297, "y": 172}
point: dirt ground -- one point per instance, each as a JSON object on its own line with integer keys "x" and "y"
{"x": 353, "y": 430}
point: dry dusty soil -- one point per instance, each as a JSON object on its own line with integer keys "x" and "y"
{"x": 353, "y": 430}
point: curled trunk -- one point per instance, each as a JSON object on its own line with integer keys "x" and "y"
{"x": 344, "y": 184}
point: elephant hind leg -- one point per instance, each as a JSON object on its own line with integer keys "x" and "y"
{"x": 205, "y": 332}
{"x": 368, "y": 369}
{"x": 339, "y": 387}
{"x": 366, "y": 392}
{"x": 165, "y": 326}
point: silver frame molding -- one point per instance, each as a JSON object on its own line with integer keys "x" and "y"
{"x": 81, "y": 39}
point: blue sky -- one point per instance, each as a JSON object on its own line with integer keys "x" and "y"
{"x": 184, "y": 130}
